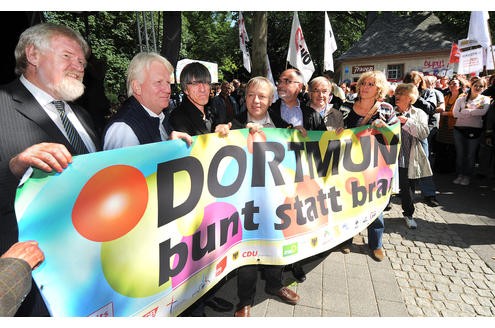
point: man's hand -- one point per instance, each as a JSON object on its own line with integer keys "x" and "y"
{"x": 403, "y": 119}
{"x": 223, "y": 129}
{"x": 27, "y": 251}
{"x": 254, "y": 127}
{"x": 378, "y": 123}
{"x": 44, "y": 156}
{"x": 301, "y": 129}
{"x": 181, "y": 135}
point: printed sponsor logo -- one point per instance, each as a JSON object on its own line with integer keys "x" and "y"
{"x": 105, "y": 311}
{"x": 250, "y": 254}
{"x": 221, "y": 266}
{"x": 290, "y": 249}
{"x": 152, "y": 313}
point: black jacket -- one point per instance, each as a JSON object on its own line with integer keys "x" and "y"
{"x": 188, "y": 118}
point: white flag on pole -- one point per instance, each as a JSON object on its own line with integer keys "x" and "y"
{"x": 243, "y": 38}
{"x": 329, "y": 46}
{"x": 489, "y": 58}
{"x": 298, "y": 54}
{"x": 478, "y": 28}
{"x": 269, "y": 76}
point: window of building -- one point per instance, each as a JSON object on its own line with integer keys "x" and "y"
{"x": 395, "y": 72}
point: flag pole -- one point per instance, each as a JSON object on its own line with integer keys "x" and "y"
{"x": 491, "y": 47}
{"x": 451, "y": 48}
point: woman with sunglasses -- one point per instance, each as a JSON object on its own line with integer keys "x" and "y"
{"x": 369, "y": 108}
{"x": 469, "y": 111}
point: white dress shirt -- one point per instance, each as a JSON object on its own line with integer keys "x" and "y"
{"x": 45, "y": 101}
{"x": 120, "y": 134}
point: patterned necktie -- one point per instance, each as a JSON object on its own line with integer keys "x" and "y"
{"x": 74, "y": 137}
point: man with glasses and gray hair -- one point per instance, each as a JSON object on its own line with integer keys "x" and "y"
{"x": 288, "y": 107}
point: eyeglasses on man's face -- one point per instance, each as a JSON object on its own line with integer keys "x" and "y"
{"x": 198, "y": 83}
{"x": 286, "y": 81}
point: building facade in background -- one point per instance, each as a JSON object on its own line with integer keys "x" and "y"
{"x": 396, "y": 45}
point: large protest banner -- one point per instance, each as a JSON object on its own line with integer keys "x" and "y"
{"x": 147, "y": 230}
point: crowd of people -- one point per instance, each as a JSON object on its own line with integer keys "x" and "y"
{"x": 43, "y": 127}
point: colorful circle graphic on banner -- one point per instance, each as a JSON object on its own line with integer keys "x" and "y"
{"x": 221, "y": 224}
{"x": 111, "y": 203}
{"x": 310, "y": 213}
{"x": 137, "y": 254}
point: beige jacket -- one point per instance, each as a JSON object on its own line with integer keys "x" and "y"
{"x": 417, "y": 126}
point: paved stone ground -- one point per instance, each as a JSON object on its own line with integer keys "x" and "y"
{"x": 444, "y": 268}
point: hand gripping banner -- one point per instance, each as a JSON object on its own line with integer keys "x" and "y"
{"x": 148, "y": 230}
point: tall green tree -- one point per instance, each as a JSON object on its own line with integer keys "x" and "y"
{"x": 259, "y": 41}
{"x": 112, "y": 37}
{"x": 211, "y": 36}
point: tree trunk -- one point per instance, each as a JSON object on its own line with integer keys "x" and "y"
{"x": 259, "y": 67}
{"x": 172, "y": 32}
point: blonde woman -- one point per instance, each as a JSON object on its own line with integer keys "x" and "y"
{"x": 369, "y": 108}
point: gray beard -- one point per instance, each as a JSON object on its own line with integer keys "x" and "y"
{"x": 70, "y": 89}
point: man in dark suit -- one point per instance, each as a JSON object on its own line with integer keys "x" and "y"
{"x": 40, "y": 126}
{"x": 225, "y": 104}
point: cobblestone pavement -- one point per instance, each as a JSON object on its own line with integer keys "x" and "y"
{"x": 437, "y": 271}
{"x": 444, "y": 268}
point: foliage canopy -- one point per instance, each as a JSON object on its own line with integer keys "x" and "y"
{"x": 213, "y": 36}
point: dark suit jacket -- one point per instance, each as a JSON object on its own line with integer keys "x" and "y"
{"x": 189, "y": 119}
{"x": 23, "y": 123}
{"x": 220, "y": 108}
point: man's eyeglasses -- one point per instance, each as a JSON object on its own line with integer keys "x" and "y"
{"x": 197, "y": 83}
{"x": 286, "y": 81}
